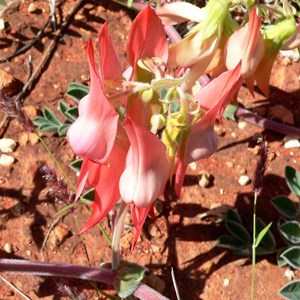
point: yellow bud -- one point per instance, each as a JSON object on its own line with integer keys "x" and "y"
{"x": 147, "y": 95}
{"x": 158, "y": 121}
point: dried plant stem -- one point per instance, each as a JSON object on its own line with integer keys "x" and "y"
{"x": 26, "y": 47}
{"x": 12, "y": 286}
{"x": 48, "y": 52}
{"x": 253, "y": 248}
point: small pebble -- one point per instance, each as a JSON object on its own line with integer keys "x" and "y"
{"x": 193, "y": 166}
{"x": 6, "y": 160}
{"x": 2, "y": 24}
{"x": 204, "y": 178}
{"x": 8, "y": 248}
{"x": 7, "y": 145}
{"x": 244, "y": 180}
{"x": 229, "y": 164}
{"x": 290, "y": 274}
{"x": 291, "y": 143}
{"x": 154, "y": 231}
{"x": 226, "y": 282}
{"x": 242, "y": 125}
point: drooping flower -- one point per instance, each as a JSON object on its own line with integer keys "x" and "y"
{"x": 198, "y": 47}
{"x": 274, "y": 35}
{"x": 93, "y": 134}
{"x": 246, "y": 45}
{"x": 201, "y": 142}
{"x": 147, "y": 167}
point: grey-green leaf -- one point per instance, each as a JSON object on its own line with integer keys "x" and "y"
{"x": 292, "y": 256}
{"x": 77, "y": 91}
{"x": 293, "y": 180}
{"x": 290, "y": 230}
{"x": 238, "y": 231}
{"x": 76, "y": 164}
{"x": 51, "y": 117}
{"x": 285, "y": 206}
{"x": 230, "y": 242}
{"x": 291, "y": 290}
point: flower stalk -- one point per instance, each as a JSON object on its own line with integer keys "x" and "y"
{"x": 118, "y": 228}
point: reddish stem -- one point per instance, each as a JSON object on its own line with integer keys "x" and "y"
{"x": 18, "y": 266}
{"x": 263, "y": 122}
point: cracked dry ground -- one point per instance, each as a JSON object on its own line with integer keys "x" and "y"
{"x": 179, "y": 237}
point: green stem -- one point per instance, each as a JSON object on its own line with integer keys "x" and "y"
{"x": 253, "y": 248}
{"x": 118, "y": 228}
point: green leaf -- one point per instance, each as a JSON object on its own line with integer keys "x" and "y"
{"x": 129, "y": 276}
{"x": 292, "y": 256}
{"x": 280, "y": 261}
{"x": 229, "y": 112}
{"x": 291, "y": 290}
{"x": 88, "y": 197}
{"x": 238, "y": 231}
{"x": 232, "y": 215}
{"x": 77, "y": 91}
{"x": 39, "y": 121}
{"x": 76, "y": 165}
{"x": 63, "y": 106}
{"x": 261, "y": 235}
{"x": 50, "y": 116}
{"x": 62, "y": 130}
{"x": 293, "y": 180}
{"x": 72, "y": 114}
{"x": 285, "y": 206}
{"x": 48, "y": 128}
{"x": 230, "y": 242}
{"x": 268, "y": 240}
{"x": 290, "y": 230}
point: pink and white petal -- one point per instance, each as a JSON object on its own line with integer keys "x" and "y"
{"x": 246, "y": 44}
{"x": 217, "y": 93}
{"x": 147, "y": 24}
{"x": 201, "y": 143}
{"x": 147, "y": 167}
{"x": 178, "y": 12}
{"x": 93, "y": 133}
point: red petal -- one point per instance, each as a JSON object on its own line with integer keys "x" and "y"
{"x": 147, "y": 37}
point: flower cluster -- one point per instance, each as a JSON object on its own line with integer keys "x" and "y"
{"x": 138, "y": 128}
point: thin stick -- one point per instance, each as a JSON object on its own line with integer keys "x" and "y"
{"x": 15, "y": 288}
{"x": 26, "y": 47}
{"x": 48, "y": 52}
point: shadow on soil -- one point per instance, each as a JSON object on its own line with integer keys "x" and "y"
{"x": 191, "y": 279}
